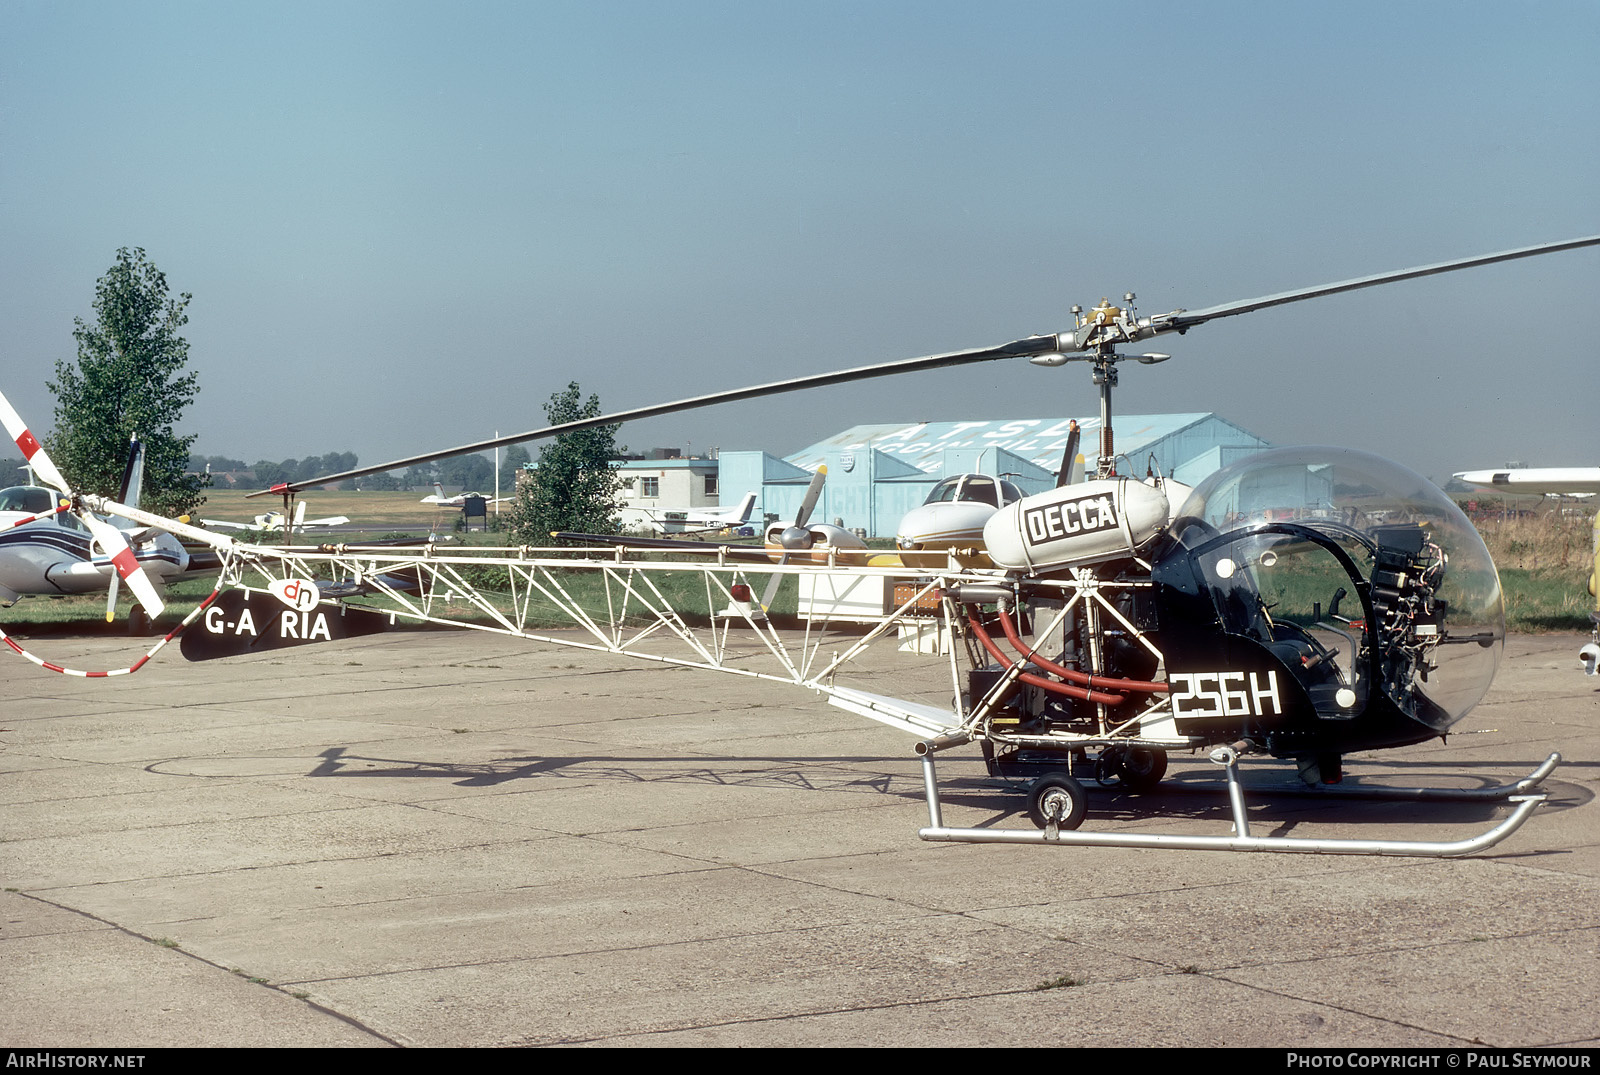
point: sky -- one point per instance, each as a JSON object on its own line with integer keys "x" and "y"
{"x": 405, "y": 224}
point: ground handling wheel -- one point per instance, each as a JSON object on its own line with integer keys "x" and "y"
{"x": 1057, "y": 801}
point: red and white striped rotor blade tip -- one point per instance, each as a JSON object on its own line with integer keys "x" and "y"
{"x": 30, "y": 447}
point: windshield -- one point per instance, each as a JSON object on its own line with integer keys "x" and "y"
{"x": 973, "y": 488}
{"x": 1281, "y": 534}
{"x": 1294, "y": 591}
{"x": 28, "y": 498}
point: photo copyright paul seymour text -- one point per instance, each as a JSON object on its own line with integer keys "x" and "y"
{"x": 1466, "y": 1059}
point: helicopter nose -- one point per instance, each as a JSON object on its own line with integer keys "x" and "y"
{"x": 1590, "y": 656}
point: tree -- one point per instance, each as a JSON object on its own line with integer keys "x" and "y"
{"x": 473, "y": 473}
{"x": 575, "y": 485}
{"x": 511, "y": 463}
{"x": 128, "y": 379}
{"x": 420, "y": 474}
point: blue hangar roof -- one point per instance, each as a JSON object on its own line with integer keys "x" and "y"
{"x": 1175, "y": 440}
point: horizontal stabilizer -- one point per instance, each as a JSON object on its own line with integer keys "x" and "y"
{"x": 913, "y": 717}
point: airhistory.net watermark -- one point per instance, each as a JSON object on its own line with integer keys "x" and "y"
{"x": 51, "y": 1059}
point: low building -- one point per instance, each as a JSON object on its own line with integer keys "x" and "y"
{"x": 653, "y": 485}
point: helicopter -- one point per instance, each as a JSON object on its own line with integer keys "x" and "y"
{"x": 1302, "y": 604}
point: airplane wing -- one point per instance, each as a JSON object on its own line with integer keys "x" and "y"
{"x": 1536, "y": 480}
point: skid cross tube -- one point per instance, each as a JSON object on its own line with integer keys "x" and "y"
{"x": 1241, "y": 840}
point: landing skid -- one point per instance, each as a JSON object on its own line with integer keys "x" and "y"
{"x": 1356, "y": 790}
{"x": 1057, "y": 803}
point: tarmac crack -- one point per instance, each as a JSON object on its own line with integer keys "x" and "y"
{"x": 276, "y": 987}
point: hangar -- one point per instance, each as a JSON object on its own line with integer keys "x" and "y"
{"x": 877, "y": 473}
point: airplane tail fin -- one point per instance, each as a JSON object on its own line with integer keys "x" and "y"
{"x": 133, "y": 473}
{"x": 299, "y": 513}
{"x": 746, "y": 506}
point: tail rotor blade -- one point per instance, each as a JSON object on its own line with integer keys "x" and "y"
{"x": 30, "y": 447}
{"x": 122, "y": 558}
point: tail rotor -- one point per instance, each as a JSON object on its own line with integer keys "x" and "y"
{"x": 107, "y": 536}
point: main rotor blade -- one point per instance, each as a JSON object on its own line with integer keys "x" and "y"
{"x": 1179, "y": 320}
{"x": 30, "y": 447}
{"x": 1063, "y": 343}
{"x": 1033, "y": 345}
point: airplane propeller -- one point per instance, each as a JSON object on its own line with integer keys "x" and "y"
{"x": 107, "y": 536}
{"x": 1069, "y": 459}
{"x": 1093, "y": 340}
{"x": 799, "y": 537}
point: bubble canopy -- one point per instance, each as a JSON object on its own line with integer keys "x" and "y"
{"x": 1430, "y": 598}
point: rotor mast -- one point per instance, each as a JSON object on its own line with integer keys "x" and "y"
{"x": 1096, "y": 335}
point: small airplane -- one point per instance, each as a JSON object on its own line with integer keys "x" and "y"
{"x": 47, "y": 549}
{"x": 1547, "y": 481}
{"x": 438, "y": 498}
{"x": 1304, "y": 604}
{"x": 1554, "y": 481}
{"x": 276, "y": 520}
{"x": 797, "y": 541}
{"x": 954, "y": 512}
{"x": 697, "y": 520}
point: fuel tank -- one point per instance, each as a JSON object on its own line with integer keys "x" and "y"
{"x": 1076, "y": 524}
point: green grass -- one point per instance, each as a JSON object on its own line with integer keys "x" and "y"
{"x": 1544, "y": 569}
{"x": 1550, "y": 599}
{"x": 86, "y": 613}
{"x": 380, "y": 511}
{"x": 1064, "y": 981}
{"x": 684, "y": 591}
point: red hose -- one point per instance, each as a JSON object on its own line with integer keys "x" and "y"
{"x": 1039, "y": 681}
{"x": 1072, "y": 674}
